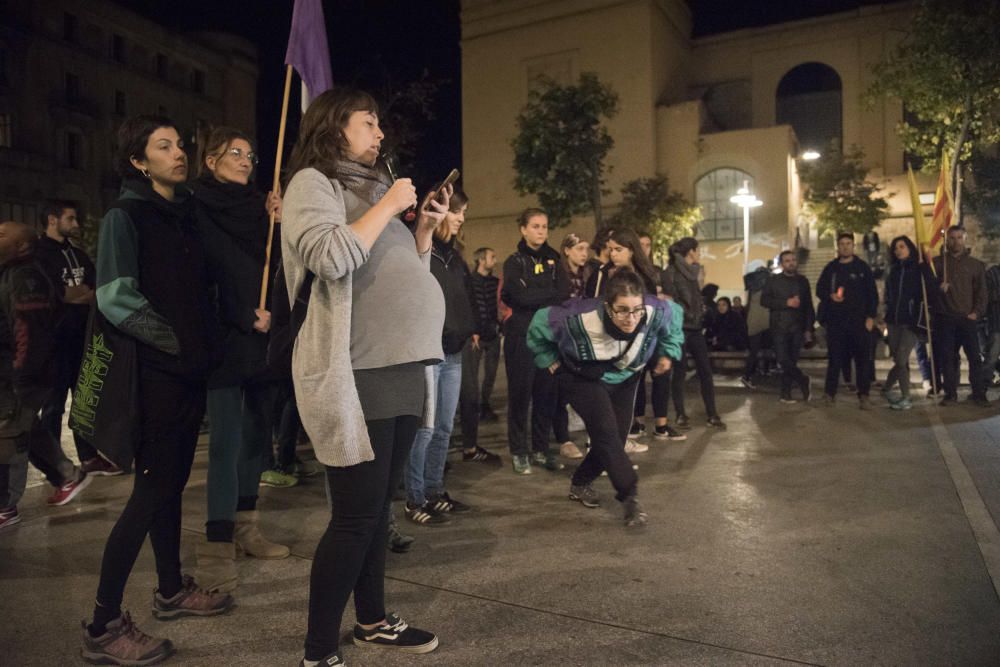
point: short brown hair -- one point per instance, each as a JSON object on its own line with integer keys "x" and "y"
{"x": 529, "y": 213}
{"x": 133, "y": 135}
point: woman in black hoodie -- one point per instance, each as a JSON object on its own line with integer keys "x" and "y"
{"x": 427, "y": 502}
{"x": 153, "y": 286}
{"x": 233, "y": 221}
{"x": 909, "y": 280}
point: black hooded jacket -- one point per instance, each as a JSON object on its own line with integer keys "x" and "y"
{"x": 532, "y": 279}
{"x": 452, "y": 274}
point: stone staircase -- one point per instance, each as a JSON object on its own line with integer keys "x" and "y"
{"x": 818, "y": 258}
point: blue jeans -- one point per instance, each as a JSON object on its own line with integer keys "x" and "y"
{"x": 425, "y": 471}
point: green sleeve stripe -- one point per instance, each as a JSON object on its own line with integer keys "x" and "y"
{"x": 120, "y": 299}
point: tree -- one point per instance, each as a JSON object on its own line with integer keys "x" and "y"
{"x": 405, "y": 110}
{"x": 947, "y": 74}
{"x": 984, "y": 195}
{"x": 838, "y": 193}
{"x": 648, "y": 205}
{"x": 561, "y": 145}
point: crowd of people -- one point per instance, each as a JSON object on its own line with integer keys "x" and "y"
{"x": 372, "y": 337}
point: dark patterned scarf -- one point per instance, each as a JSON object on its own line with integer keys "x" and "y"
{"x": 370, "y": 183}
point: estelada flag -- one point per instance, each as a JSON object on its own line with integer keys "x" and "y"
{"x": 943, "y": 203}
{"x": 308, "y": 51}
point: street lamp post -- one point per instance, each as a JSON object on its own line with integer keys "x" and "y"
{"x": 745, "y": 200}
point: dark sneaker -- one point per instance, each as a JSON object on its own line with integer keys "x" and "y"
{"x": 635, "y": 516}
{"x": 638, "y": 428}
{"x": 398, "y": 543}
{"x": 521, "y": 464}
{"x": 395, "y": 633}
{"x": 445, "y": 503}
{"x": 715, "y": 422}
{"x": 123, "y": 643}
{"x": 332, "y": 660}
{"x": 747, "y": 382}
{"x": 668, "y": 432}
{"x": 190, "y": 601}
{"x": 585, "y": 495}
{"x": 100, "y": 467}
{"x": 425, "y": 515}
{"x": 981, "y": 401}
{"x": 480, "y": 455}
{"x": 806, "y": 386}
{"x": 9, "y": 517}
{"x": 547, "y": 460}
{"x": 683, "y": 423}
{"x": 70, "y": 490}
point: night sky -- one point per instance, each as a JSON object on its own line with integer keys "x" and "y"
{"x": 369, "y": 38}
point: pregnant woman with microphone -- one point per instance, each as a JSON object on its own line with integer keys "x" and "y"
{"x": 374, "y": 321}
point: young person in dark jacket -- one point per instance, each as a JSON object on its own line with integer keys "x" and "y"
{"x": 427, "y": 502}
{"x": 153, "y": 285}
{"x": 963, "y": 304}
{"x": 728, "y": 330}
{"x": 681, "y": 282}
{"x": 29, "y": 310}
{"x": 788, "y": 296}
{"x": 909, "y": 279}
{"x": 71, "y": 267}
{"x": 532, "y": 279}
{"x": 233, "y": 219}
{"x": 848, "y": 303}
{"x": 484, "y": 291}
{"x": 594, "y": 349}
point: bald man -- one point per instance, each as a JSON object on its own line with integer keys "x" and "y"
{"x": 29, "y": 310}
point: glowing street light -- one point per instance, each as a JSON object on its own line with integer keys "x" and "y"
{"x": 811, "y": 155}
{"x": 745, "y": 200}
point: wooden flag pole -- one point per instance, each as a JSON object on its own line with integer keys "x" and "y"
{"x": 927, "y": 317}
{"x": 276, "y": 186}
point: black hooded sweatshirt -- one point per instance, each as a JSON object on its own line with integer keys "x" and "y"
{"x": 532, "y": 279}
{"x": 448, "y": 267}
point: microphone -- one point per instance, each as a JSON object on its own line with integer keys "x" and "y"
{"x": 389, "y": 160}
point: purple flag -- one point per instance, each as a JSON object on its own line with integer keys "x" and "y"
{"x": 307, "y": 51}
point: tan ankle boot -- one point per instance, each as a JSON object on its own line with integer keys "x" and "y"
{"x": 248, "y": 538}
{"x": 216, "y": 570}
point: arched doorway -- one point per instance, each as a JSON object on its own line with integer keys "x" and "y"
{"x": 810, "y": 99}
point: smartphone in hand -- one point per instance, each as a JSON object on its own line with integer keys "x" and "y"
{"x": 450, "y": 179}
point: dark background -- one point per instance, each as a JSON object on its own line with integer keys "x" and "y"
{"x": 371, "y": 40}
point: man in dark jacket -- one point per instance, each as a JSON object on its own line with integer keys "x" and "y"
{"x": 532, "y": 279}
{"x": 30, "y": 309}
{"x": 964, "y": 300}
{"x": 70, "y": 267}
{"x": 848, "y": 303}
{"x": 483, "y": 349}
{"x": 788, "y": 297}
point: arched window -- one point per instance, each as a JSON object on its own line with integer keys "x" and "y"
{"x": 722, "y": 219}
{"x": 809, "y": 98}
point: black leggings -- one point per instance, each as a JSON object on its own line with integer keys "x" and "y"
{"x": 527, "y": 385}
{"x": 351, "y": 554}
{"x": 606, "y": 410}
{"x": 695, "y": 347}
{"x": 170, "y": 412}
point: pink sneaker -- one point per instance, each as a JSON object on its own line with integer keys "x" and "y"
{"x": 70, "y": 490}
{"x": 9, "y": 517}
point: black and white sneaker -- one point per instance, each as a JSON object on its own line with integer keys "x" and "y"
{"x": 806, "y": 385}
{"x": 585, "y": 495}
{"x": 425, "y": 515}
{"x": 445, "y": 503}
{"x": 747, "y": 382}
{"x": 332, "y": 660}
{"x": 668, "y": 432}
{"x": 395, "y": 633}
{"x": 637, "y": 429}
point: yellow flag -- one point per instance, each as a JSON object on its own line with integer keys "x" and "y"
{"x": 920, "y": 235}
{"x": 943, "y": 203}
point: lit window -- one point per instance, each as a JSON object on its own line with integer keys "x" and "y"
{"x": 721, "y": 219}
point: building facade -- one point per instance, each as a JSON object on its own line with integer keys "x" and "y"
{"x": 72, "y": 71}
{"x": 710, "y": 113}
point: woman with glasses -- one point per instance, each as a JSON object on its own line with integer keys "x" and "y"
{"x": 233, "y": 221}
{"x": 598, "y": 349}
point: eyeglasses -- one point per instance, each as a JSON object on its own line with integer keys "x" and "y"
{"x": 625, "y": 313}
{"x": 239, "y": 155}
